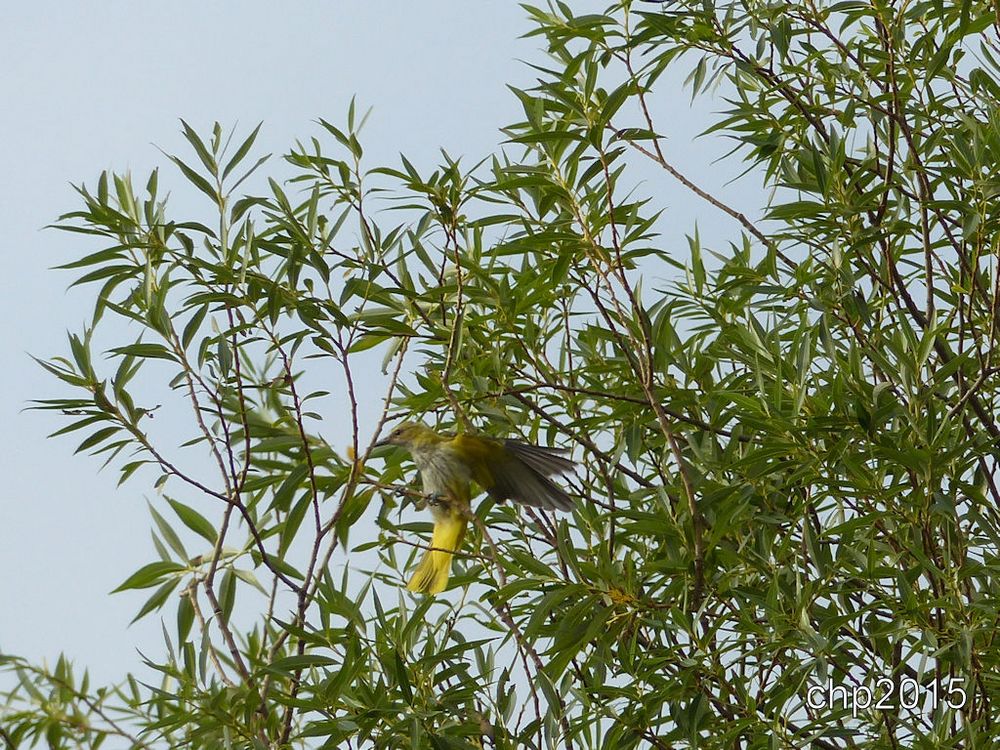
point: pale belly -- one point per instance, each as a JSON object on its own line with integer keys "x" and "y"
{"x": 443, "y": 473}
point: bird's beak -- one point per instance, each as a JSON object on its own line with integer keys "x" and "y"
{"x": 381, "y": 442}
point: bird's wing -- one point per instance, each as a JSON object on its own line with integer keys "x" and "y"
{"x": 520, "y": 472}
{"x": 546, "y": 461}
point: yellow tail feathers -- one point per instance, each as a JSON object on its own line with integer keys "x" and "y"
{"x": 431, "y": 575}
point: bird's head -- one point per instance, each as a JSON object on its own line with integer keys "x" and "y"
{"x": 408, "y": 435}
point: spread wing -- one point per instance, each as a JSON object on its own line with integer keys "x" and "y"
{"x": 520, "y": 472}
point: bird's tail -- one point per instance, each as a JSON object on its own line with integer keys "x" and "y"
{"x": 431, "y": 575}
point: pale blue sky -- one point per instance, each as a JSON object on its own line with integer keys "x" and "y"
{"x": 93, "y": 86}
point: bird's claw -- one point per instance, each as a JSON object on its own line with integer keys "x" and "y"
{"x": 406, "y": 495}
{"x": 421, "y": 501}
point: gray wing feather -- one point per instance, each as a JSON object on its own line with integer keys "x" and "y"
{"x": 525, "y": 478}
{"x": 546, "y": 461}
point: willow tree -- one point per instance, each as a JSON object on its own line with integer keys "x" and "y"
{"x": 786, "y": 527}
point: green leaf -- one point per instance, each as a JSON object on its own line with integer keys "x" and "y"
{"x": 290, "y": 664}
{"x": 194, "y": 521}
{"x": 227, "y": 595}
{"x": 242, "y": 151}
{"x": 149, "y": 575}
{"x": 157, "y": 600}
{"x": 196, "y": 179}
{"x": 185, "y": 618}
{"x": 97, "y": 438}
{"x": 146, "y": 351}
{"x": 168, "y": 534}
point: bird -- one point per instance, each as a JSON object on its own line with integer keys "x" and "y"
{"x": 448, "y": 464}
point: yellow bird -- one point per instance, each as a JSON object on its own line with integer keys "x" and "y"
{"x": 506, "y": 469}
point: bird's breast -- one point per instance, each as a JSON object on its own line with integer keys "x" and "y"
{"x": 443, "y": 472}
